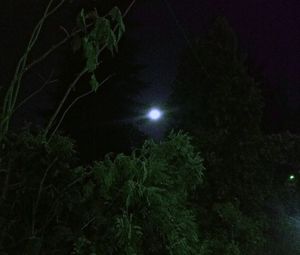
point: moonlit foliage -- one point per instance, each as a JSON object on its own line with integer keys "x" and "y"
{"x": 154, "y": 114}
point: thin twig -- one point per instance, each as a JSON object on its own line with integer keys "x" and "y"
{"x": 123, "y": 16}
{"x": 78, "y": 77}
{"x": 39, "y": 195}
{"x": 88, "y": 223}
{"x": 74, "y": 102}
{"x": 56, "y": 8}
{"x": 68, "y": 108}
{"x": 128, "y": 8}
{"x": 52, "y": 49}
{"x": 32, "y": 42}
{"x": 61, "y": 194}
{"x": 65, "y": 31}
{"x": 14, "y": 88}
{"x": 68, "y": 37}
{"x": 48, "y": 82}
{"x": 6, "y": 183}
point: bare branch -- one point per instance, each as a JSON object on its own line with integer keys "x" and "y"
{"x": 54, "y": 47}
{"x": 14, "y": 88}
{"x": 47, "y": 82}
{"x": 72, "y": 85}
{"x": 73, "y": 103}
{"x": 65, "y": 31}
{"x": 128, "y": 8}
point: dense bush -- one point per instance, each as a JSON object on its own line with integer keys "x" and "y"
{"x": 38, "y": 194}
{"x": 137, "y": 204}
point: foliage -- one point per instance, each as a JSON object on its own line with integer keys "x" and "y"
{"x": 104, "y": 33}
{"x": 95, "y": 34}
{"x": 103, "y": 120}
{"x": 280, "y": 156}
{"x": 230, "y": 231}
{"x": 144, "y": 199}
{"x": 155, "y": 200}
{"x": 221, "y": 106}
{"x": 137, "y": 204}
{"x": 214, "y": 88}
{"x": 37, "y": 196}
{"x": 108, "y": 119}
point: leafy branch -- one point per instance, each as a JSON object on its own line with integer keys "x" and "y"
{"x": 105, "y": 34}
{"x": 100, "y": 24}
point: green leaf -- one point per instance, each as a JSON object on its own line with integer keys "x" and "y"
{"x": 94, "y": 83}
{"x": 101, "y": 30}
{"x": 115, "y": 13}
{"x": 81, "y": 21}
{"x": 91, "y": 54}
{"x": 117, "y": 17}
{"x": 112, "y": 42}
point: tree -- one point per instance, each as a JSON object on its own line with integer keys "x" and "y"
{"x": 217, "y": 93}
{"x": 221, "y": 106}
{"x": 277, "y": 111}
{"x": 136, "y": 204}
{"x": 281, "y": 159}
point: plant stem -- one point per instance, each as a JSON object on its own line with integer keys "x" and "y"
{"x": 74, "y": 102}
{"x": 14, "y": 88}
{"x": 34, "y": 211}
{"x": 72, "y": 85}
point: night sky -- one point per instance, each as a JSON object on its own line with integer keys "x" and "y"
{"x": 268, "y": 31}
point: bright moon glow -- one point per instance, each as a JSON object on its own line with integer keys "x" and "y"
{"x": 154, "y": 114}
{"x": 292, "y": 177}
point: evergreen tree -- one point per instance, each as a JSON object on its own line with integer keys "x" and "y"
{"x": 218, "y": 95}
{"x": 221, "y": 106}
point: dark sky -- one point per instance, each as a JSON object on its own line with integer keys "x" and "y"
{"x": 268, "y": 30}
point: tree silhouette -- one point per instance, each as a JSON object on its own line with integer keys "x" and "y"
{"x": 220, "y": 104}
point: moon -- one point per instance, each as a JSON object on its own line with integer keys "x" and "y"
{"x": 154, "y": 114}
